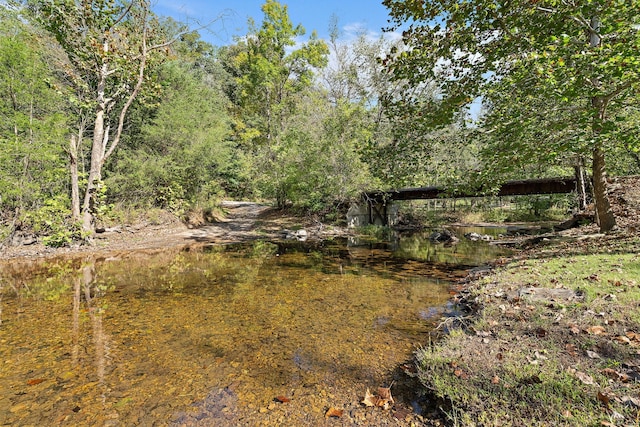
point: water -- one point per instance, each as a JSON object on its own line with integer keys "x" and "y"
{"x": 216, "y": 335}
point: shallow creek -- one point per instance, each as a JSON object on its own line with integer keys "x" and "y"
{"x": 249, "y": 334}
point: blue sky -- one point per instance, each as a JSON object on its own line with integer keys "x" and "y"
{"x": 353, "y": 15}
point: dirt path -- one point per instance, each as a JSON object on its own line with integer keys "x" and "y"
{"x": 239, "y": 224}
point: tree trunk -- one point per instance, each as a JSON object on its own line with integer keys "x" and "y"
{"x": 583, "y": 187}
{"x": 95, "y": 171}
{"x": 100, "y": 138}
{"x": 73, "y": 167}
{"x": 604, "y": 214}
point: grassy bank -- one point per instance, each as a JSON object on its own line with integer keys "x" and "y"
{"x": 553, "y": 340}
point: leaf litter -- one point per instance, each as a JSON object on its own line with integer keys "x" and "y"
{"x": 383, "y": 399}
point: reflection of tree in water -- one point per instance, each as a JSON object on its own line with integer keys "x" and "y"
{"x": 92, "y": 293}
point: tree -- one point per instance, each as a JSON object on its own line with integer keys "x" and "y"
{"x": 110, "y": 45}
{"x": 270, "y": 75}
{"x": 184, "y": 156}
{"x": 582, "y": 55}
{"x": 270, "y": 78}
{"x": 32, "y": 168}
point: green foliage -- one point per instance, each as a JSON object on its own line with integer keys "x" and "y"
{"x": 182, "y": 154}
{"x": 32, "y": 160}
{"x": 556, "y": 77}
{"x": 53, "y": 221}
{"x": 315, "y": 162}
{"x": 271, "y": 73}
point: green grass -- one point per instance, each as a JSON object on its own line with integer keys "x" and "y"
{"x": 526, "y": 362}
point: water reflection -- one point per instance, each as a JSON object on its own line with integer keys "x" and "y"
{"x": 212, "y": 332}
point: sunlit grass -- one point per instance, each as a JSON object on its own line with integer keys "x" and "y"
{"x": 530, "y": 362}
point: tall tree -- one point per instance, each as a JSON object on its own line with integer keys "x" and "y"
{"x": 110, "y": 45}
{"x": 271, "y": 73}
{"x": 581, "y": 54}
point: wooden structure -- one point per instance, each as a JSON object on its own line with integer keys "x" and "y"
{"x": 378, "y": 201}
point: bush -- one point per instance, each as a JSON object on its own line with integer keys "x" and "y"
{"x": 53, "y": 222}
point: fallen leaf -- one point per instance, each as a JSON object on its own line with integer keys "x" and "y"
{"x": 282, "y": 399}
{"x": 593, "y": 355}
{"x": 35, "y": 381}
{"x": 383, "y": 400}
{"x": 385, "y": 393}
{"x": 604, "y": 399}
{"x": 370, "y": 399}
{"x": 631, "y": 401}
{"x": 334, "y": 413}
{"x": 633, "y": 336}
{"x": 615, "y": 375}
{"x": 596, "y": 330}
{"x": 586, "y": 379}
{"x": 574, "y": 329}
{"x": 611, "y": 373}
{"x": 495, "y": 380}
{"x": 571, "y": 349}
{"x": 622, "y": 339}
{"x": 460, "y": 374}
{"x": 402, "y": 414}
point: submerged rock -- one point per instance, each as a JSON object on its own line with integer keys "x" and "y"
{"x": 443, "y": 236}
{"x": 474, "y": 237}
{"x": 300, "y": 235}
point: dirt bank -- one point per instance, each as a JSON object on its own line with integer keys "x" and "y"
{"x": 243, "y": 221}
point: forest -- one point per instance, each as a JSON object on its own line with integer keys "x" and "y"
{"x": 108, "y": 110}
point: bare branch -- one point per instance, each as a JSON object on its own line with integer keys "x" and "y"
{"x": 124, "y": 14}
{"x": 182, "y": 33}
{"x": 617, "y": 91}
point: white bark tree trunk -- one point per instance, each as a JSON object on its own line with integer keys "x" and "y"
{"x": 73, "y": 168}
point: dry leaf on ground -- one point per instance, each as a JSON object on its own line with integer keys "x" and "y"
{"x": 571, "y": 349}
{"x": 586, "y": 379}
{"x": 382, "y": 400}
{"x": 593, "y": 355}
{"x": 370, "y": 399}
{"x": 334, "y": 413}
{"x": 596, "y": 330}
{"x": 605, "y": 399}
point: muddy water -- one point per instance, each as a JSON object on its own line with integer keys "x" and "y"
{"x": 254, "y": 334}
